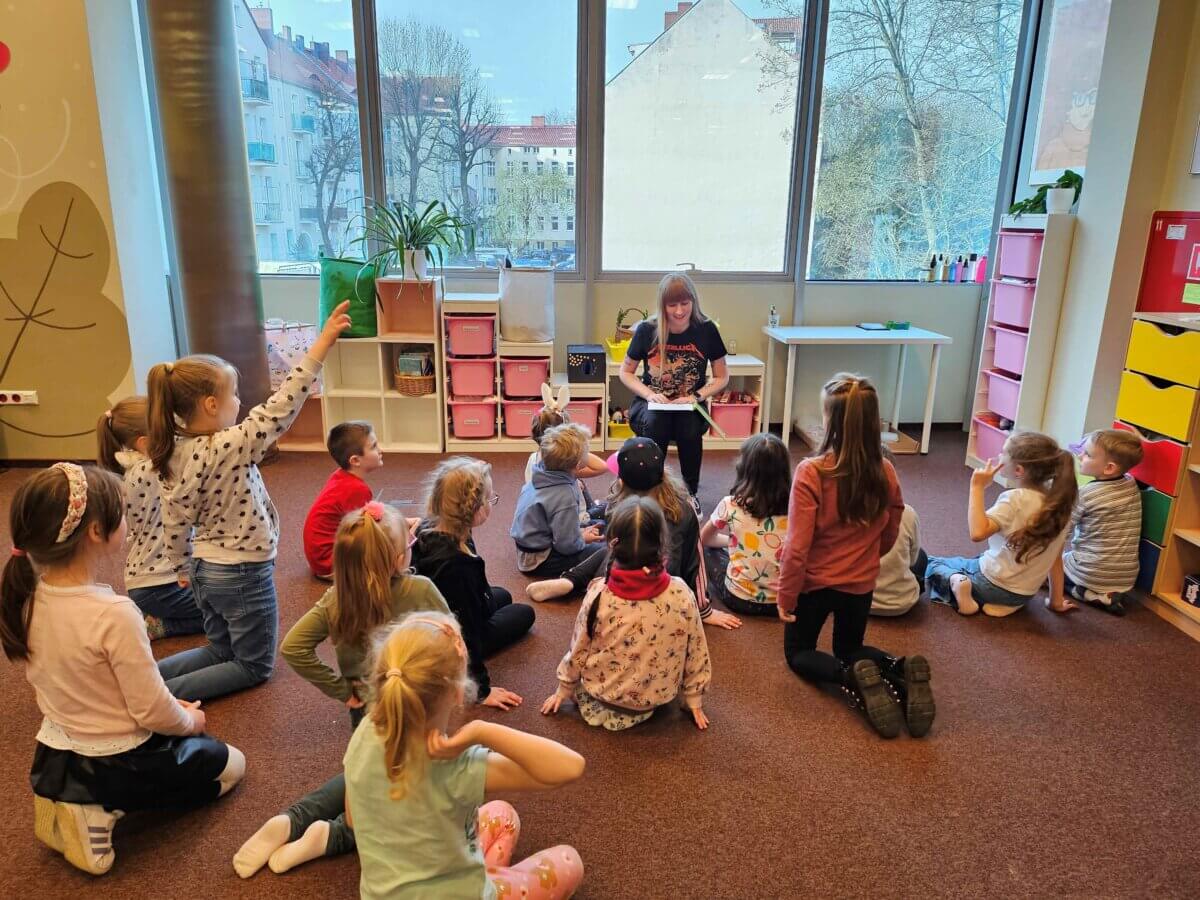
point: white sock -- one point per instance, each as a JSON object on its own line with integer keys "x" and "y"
{"x": 311, "y": 845}
{"x": 235, "y": 768}
{"x": 540, "y": 591}
{"x": 253, "y": 854}
{"x": 961, "y": 586}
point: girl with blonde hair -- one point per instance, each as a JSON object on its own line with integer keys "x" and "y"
{"x": 122, "y": 439}
{"x": 411, "y": 785}
{"x": 460, "y": 498}
{"x": 675, "y": 350}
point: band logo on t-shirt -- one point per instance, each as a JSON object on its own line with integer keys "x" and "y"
{"x": 688, "y": 355}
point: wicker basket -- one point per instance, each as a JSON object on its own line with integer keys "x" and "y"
{"x": 414, "y": 385}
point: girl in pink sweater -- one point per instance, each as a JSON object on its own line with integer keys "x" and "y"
{"x": 112, "y": 739}
{"x": 844, "y": 514}
{"x": 638, "y": 642}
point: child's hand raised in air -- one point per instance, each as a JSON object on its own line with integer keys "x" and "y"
{"x": 443, "y": 746}
{"x": 982, "y": 477}
{"x": 338, "y": 321}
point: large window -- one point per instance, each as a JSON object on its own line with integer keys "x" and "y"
{"x": 299, "y": 100}
{"x": 466, "y": 86}
{"x": 916, "y": 96}
{"x": 699, "y": 130}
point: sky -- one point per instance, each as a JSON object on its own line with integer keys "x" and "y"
{"x": 525, "y": 48}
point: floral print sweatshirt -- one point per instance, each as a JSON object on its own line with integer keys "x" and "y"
{"x": 643, "y": 653}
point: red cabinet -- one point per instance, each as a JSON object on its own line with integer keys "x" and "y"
{"x": 1172, "y": 263}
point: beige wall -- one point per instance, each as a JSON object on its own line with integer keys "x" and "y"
{"x": 1181, "y": 189}
{"x": 70, "y": 342}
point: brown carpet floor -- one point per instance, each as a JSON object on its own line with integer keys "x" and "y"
{"x": 1063, "y": 760}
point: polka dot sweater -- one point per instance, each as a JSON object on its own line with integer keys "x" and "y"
{"x": 146, "y": 563}
{"x": 217, "y": 489}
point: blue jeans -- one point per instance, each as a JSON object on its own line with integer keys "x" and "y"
{"x": 241, "y": 619}
{"x": 174, "y": 605}
{"x": 942, "y": 567}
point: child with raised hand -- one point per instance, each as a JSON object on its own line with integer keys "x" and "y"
{"x": 208, "y": 470}
{"x": 546, "y": 524}
{"x": 641, "y": 472}
{"x": 1101, "y": 561}
{"x": 113, "y": 739}
{"x": 638, "y": 640}
{"x": 744, "y": 535}
{"x": 461, "y": 498}
{"x": 1025, "y": 529}
{"x": 355, "y": 449}
{"x": 843, "y": 516}
{"x": 169, "y": 609}
{"x": 411, "y": 788}
{"x": 372, "y": 587}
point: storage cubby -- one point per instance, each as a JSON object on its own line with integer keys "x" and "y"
{"x": 308, "y": 429}
{"x": 409, "y": 308}
{"x": 344, "y": 409}
{"x": 352, "y": 367}
{"x": 412, "y": 424}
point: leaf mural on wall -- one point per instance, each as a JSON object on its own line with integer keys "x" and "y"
{"x": 59, "y": 334}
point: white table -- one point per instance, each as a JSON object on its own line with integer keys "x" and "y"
{"x": 794, "y": 336}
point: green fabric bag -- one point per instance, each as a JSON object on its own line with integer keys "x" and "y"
{"x": 353, "y": 280}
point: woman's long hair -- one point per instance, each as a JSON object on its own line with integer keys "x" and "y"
{"x": 673, "y": 287}
{"x": 853, "y": 437}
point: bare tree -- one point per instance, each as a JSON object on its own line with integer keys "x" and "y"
{"x": 468, "y": 130}
{"x": 521, "y": 198}
{"x": 415, "y": 61}
{"x": 558, "y": 116}
{"x": 334, "y": 153}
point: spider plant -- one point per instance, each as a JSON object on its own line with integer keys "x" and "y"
{"x": 1036, "y": 204}
{"x": 396, "y": 229}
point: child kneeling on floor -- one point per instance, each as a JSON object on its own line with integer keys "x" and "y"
{"x": 113, "y": 740}
{"x": 545, "y": 525}
{"x": 638, "y": 640}
{"x": 1025, "y": 529}
{"x": 1101, "y": 561}
{"x": 415, "y": 795}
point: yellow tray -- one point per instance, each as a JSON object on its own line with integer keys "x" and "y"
{"x": 619, "y": 430}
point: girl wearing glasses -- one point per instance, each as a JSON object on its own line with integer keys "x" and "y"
{"x": 460, "y": 499}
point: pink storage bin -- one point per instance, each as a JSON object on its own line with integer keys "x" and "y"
{"x": 1012, "y": 304}
{"x": 735, "y": 419}
{"x": 523, "y": 376}
{"x": 474, "y": 418}
{"x": 1020, "y": 254}
{"x": 1010, "y": 349}
{"x": 470, "y": 335}
{"x": 1003, "y": 391}
{"x": 585, "y": 413}
{"x": 519, "y": 416}
{"x": 989, "y": 440}
{"x": 472, "y": 377}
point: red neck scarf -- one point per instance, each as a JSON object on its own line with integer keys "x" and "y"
{"x": 638, "y": 584}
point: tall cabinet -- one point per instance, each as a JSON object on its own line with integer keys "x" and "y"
{"x": 1025, "y": 297}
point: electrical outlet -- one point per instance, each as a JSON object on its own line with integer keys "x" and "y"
{"x": 18, "y": 398}
{"x": 731, "y": 346}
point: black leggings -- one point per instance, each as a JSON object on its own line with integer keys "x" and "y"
{"x": 849, "y": 627}
{"x": 686, "y": 429}
{"x": 557, "y": 564}
{"x": 507, "y": 621}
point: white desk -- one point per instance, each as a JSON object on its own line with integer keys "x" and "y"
{"x": 795, "y": 335}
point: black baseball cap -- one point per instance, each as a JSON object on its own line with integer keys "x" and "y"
{"x": 640, "y": 463}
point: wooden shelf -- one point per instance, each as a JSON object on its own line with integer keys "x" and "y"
{"x": 362, "y": 393}
{"x": 424, "y": 398}
{"x": 1194, "y": 467}
{"x": 303, "y": 446}
{"x": 412, "y": 447}
{"x": 405, "y": 337}
{"x": 1191, "y": 535}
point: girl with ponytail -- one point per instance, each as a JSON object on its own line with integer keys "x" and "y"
{"x": 112, "y": 739}
{"x": 411, "y": 786}
{"x": 372, "y": 586}
{"x": 843, "y": 515}
{"x": 1025, "y": 529}
{"x": 122, "y": 443}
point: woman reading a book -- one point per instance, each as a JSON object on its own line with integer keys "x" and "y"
{"x": 675, "y": 350}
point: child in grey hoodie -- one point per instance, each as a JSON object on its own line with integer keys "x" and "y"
{"x": 546, "y": 526}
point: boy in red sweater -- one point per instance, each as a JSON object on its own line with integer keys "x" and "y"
{"x": 355, "y": 449}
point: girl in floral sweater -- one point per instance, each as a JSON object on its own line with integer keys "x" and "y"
{"x": 638, "y": 640}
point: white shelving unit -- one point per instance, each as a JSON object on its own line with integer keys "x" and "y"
{"x": 1028, "y": 277}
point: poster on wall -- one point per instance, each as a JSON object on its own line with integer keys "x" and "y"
{"x": 1069, "y": 81}
{"x": 1196, "y": 154}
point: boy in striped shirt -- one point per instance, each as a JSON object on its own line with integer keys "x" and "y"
{"x": 1101, "y": 559}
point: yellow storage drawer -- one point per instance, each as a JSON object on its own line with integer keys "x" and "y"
{"x": 1167, "y": 410}
{"x": 1155, "y": 351}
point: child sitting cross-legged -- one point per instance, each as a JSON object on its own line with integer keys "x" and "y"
{"x": 355, "y": 449}
{"x": 553, "y": 413}
{"x": 638, "y": 640}
{"x": 1101, "y": 561}
{"x": 545, "y": 525}
{"x": 415, "y": 794}
{"x": 1025, "y": 529}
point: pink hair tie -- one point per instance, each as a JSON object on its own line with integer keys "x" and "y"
{"x": 17, "y": 551}
{"x": 374, "y": 509}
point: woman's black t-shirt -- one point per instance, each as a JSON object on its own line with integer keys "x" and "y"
{"x": 688, "y": 356}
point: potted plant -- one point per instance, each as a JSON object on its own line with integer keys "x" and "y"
{"x": 1069, "y": 185}
{"x": 407, "y": 239}
{"x": 624, "y": 332}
